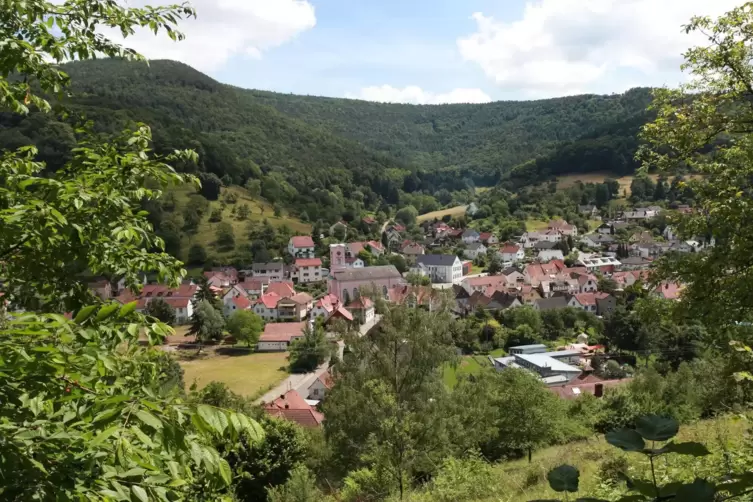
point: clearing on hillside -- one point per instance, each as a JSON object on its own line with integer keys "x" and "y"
{"x": 452, "y": 211}
{"x": 570, "y": 180}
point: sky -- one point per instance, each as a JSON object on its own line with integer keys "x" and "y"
{"x": 436, "y": 51}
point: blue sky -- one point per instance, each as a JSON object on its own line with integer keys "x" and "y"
{"x": 432, "y": 51}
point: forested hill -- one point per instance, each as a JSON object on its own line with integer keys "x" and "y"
{"x": 327, "y": 157}
{"x": 478, "y": 141}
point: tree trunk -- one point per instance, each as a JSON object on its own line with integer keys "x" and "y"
{"x": 530, "y": 454}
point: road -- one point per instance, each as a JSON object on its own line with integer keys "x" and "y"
{"x": 301, "y": 382}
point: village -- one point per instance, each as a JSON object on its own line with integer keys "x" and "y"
{"x": 552, "y": 268}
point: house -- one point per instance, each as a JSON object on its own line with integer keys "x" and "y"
{"x": 222, "y": 278}
{"x": 394, "y": 236}
{"x": 597, "y": 240}
{"x": 590, "y": 212}
{"x": 274, "y": 271}
{"x": 470, "y": 236}
{"x": 180, "y": 298}
{"x": 353, "y": 248}
{"x": 555, "y": 302}
{"x": 324, "y": 306}
{"x": 411, "y": 249}
{"x": 237, "y": 303}
{"x": 536, "y": 272}
{"x": 307, "y": 270}
{"x": 587, "y": 283}
{"x": 527, "y": 294}
{"x": 461, "y": 297}
{"x": 546, "y": 255}
{"x": 544, "y": 245}
{"x": 669, "y": 233}
{"x": 319, "y": 388}
{"x": 102, "y": 288}
{"x": 605, "y": 304}
{"x": 606, "y": 228}
{"x": 471, "y": 209}
{"x": 488, "y": 238}
{"x": 587, "y": 301}
{"x": 254, "y": 287}
{"x": 283, "y": 289}
{"x": 295, "y": 308}
{"x": 473, "y": 284}
{"x": 668, "y": 291}
{"x": 291, "y": 406}
{"x": 278, "y": 336}
{"x": 513, "y": 276}
{"x": 474, "y": 250}
{"x": 301, "y": 246}
{"x": 340, "y": 258}
{"x": 230, "y": 295}
{"x": 362, "y": 309}
{"x": 442, "y": 268}
{"x": 563, "y": 228}
{"x": 500, "y": 300}
{"x": 594, "y": 262}
{"x": 414, "y": 296}
{"x": 346, "y": 283}
{"x": 266, "y": 306}
{"x": 511, "y": 253}
{"x": 589, "y": 385}
{"x": 559, "y": 284}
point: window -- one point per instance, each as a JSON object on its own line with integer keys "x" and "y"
{"x": 355, "y": 293}
{"x": 346, "y": 297}
{"x": 384, "y": 291}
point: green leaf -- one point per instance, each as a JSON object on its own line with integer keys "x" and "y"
{"x": 656, "y": 428}
{"x": 140, "y": 493}
{"x": 564, "y": 478}
{"x": 644, "y": 487}
{"x": 106, "y": 311}
{"x": 105, "y": 434}
{"x": 106, "y": 415}
{"x": 127, "y": 309}
{"x": 225, "y": 472}
{"x": 625, "y": 439}
{"x": 84, "y": 314}
{"x": 135, "y": 472}
{"x": 699, "y": 490}
{"x": 149, "y": 419}
{"x": 688, "y": 448}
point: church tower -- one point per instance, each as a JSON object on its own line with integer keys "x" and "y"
{"x": 337, "y": 257}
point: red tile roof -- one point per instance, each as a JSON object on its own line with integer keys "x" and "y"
{"x": 326, "y": 380}
{"x": 510, "y": 248}
{"x": 282, "y": 331}
{"x": 254, "y": 284}
{"x": 360, "y": 303}
{"x": 341, "y": 311}
{"x": 308, "y": 262}
{"x": 669, "y": 290}
{"x": 291, "y": 406}
{"x": 269, "y": 300}
{"x": 485, "y": 236}
{"x": 283, "y": 289}
{"x": 302, "y": 241}
{"x": 368, "y": 220}
{"x": 302, "y": 298}
{"x": 242, "y": 302}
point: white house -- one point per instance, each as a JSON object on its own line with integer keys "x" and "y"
{"x": 583, "y": 301}
{"x": 308, "y": 270}
{"x": 277, "y": 337}
{"x": 546, "y": 255}
{"x": 511, "y": 253}
{"x": 266, "y": 306}
{"x": 237, "y": 303}
{"x": 324, "y": 306}
{"x": 563, "y": 227}
{"x": 319, "y": 388}
{"x": 441, "y": 268}
{"x": 470, "y": 236}
{"x": 301, "y": 246}
{"x": 474, "y": 250}
{"x": 274, "y": 271}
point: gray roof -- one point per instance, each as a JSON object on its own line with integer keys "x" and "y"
{"x": 470, "y": 232}
{"x": 475, "y": 245}
{"x": 555, "y": 302}
{"x": 601, "y": 238}
{"x": 545, "y": 245}
{"x": 275, "y": 265}
{"x": 436, "y": 260}
{"x": 546, "y": 361}
{"x": 634, "y": 260}
{"x": 367, "y": 273}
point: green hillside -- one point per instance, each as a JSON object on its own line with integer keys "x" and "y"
{"x": 330, "y": 158}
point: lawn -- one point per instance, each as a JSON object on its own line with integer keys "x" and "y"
{"x": 532, "y": 225}
{"x": 249, "y": 375}
{"x": 469, "y": 365}
{"x": 452, "y": 211}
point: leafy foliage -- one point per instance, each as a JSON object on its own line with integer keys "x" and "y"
{"x": 308, "y": 352}
{"x": 161, "y": 310}
{"x": 245, "y": 326}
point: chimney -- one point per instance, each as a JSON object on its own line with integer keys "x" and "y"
{"x": 599, "y": 390}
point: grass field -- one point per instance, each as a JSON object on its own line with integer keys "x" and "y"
{"x": 259, "y": 211}
{"x": 624, "y": 181}
{"x": 469, "y": 365}
{"x": 249, "y": 375}
{"x": 453, "y": 211}
{"x": 533, "y": 225}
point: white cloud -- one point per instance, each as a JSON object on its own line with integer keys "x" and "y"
{"x": 570, "y": 46}
{"x": 417, "y": 96}
{"x": 224, "y": 28}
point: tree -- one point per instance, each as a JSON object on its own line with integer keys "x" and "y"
{"x": 216, "y": 215}
{"x": 87, "y": 404}
{"x": 398, "y": 261}
{"x": 243, "y": 211}
{"x": 225, "y": 236}
{"x": 607, "y": 285}
{"x": 245, "y": 326}
{"x": 254, "y": 188}
{"x": 307, "y": 353}
{"x": 210, "y": 186}
{"x": 204, "y": 292}
{"x": 407, "y": 215}
{"x": 386, "y": 411}
{"x": 160, "y": 309}
{"x": 197, "y": 254}
{"x": 705, "y": 127}
{"x": 495, "y": 264}
{"x": 366, "y": 257}
{"x": 416, "y": 279}
{"x": 207, "y": 324}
